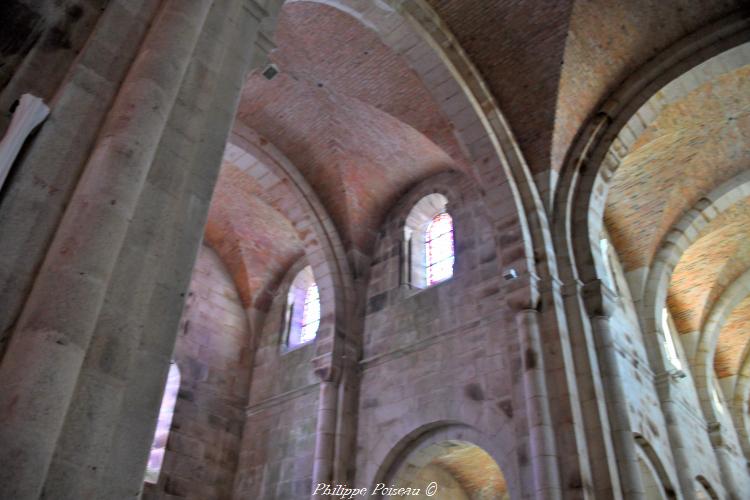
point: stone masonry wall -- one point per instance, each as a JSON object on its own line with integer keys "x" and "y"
{"x": 276, "y": 460}
{"x": 646, "y": 413}
{"x": 447, "y": 353}
{"x": 213, "y": 355}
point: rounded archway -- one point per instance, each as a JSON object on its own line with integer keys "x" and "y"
{"x": 448, "y": 470}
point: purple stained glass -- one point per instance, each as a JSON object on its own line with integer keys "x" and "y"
{"x": 310, "y": 314}
{"x": 166, "y": 412}
{"x": 439, "y": 251}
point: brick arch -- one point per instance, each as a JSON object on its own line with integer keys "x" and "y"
{"x": 608, "y": 136}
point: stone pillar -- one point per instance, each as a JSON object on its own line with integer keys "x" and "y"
{"x": 617, "y": 408}
{"x": 325, "y": 436}
{"x": 173, "y": 268}
{"x": 541, "y": 433}
{"x": 672, "y": 416}
{"x": 725, "y": 460}
{"x": 130, "y": 351}
{"x": 44, "y": 356}
{"x": 32, "y": 205}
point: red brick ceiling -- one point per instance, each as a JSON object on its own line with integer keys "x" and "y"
{"x": 350, "y": 115}
{"x": 706, "y": 269}
{"x": 475, "y": 470}
{"x": 550, "y": 63}
{"x": 694, "y": 145}
{"x": 254, "y": 240}
{"x": 324, "y": 45}
{"x": 733, "y": 340}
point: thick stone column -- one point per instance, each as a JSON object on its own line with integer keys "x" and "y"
{"x": 45, "y": 354}
{"x": 135, "y": 424}
{"x": 130, "y": 351}
{"x": 33, "y": 201}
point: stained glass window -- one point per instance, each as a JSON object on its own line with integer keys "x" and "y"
{"x": 166, "y": 412}
{"x": 439, "y": 249}
{"x": 310, "y": 314}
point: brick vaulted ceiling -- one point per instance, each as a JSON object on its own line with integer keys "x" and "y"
{"x": 550, "y": 63}
{"x": 693, "y": 146}
{"x": 350, "y": 115}
{"x": 356, "y": 122}
{"x": 250, "y": 234}
{"x": 361, "y": 127}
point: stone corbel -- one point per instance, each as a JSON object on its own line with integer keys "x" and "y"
{"x": 31, "y": 111}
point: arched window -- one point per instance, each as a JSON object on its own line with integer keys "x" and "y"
{"x": 166, "y": 412}
{"x": 669, "y": 342}
{"x": 428, "y": 243}
{"x": 302, "y": 317}
{"x": 310, "y": 314}
{"x": 439, "y": 248}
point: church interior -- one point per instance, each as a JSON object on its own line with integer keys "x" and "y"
{"x": 328, "y": 249}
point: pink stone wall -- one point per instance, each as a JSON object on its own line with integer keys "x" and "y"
{"x": 212, "y": 353}
{"x": 276, "y": 460}
{"x": 443, "y": 354}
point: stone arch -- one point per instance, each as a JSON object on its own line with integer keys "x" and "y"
{"x": 651, "y": 459}
{"x": 740, "y": 402}
{"x": 610, "y": 132}
{"x": 703, "y": 359}
{"x": 427, "y": 442}
{"x": 323, "y": 249}
{"x": 684, "y": 233}
{"x": 582, "y": 188}
{"x": 707, "y": 488}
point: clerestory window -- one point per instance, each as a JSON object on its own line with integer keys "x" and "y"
{"x": 429, "y": 251}
{"x": 439, "y": 249}
{"x": 302, "y": 318}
